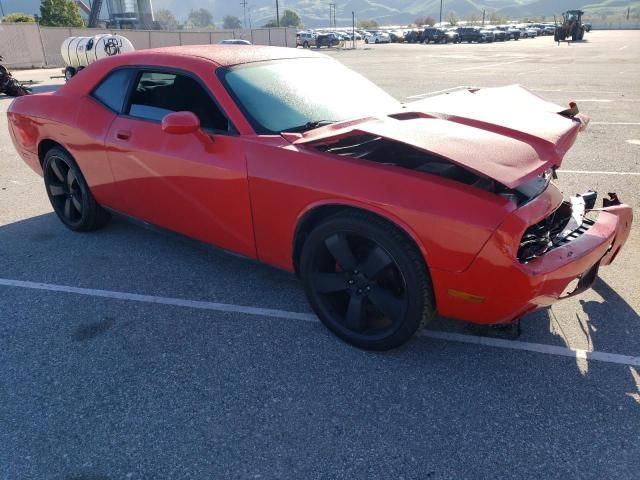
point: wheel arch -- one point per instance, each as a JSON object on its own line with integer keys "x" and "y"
{"x": 45, "y": 145}
{"x": 316, "y": 213}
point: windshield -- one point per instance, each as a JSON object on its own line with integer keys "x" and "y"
{"x": 304, "y": 93}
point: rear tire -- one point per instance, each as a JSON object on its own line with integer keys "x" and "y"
{"x": 69, "y": 72}
{"x": 69, "y": 194}
{"x": 366, "y": 281}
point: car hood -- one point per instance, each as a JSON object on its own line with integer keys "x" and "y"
{"x": 508, "y": 134}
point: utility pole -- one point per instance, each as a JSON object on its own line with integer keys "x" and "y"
{"x": 440, "y": 24}
{"x": 1, "y": 8}
{"x": 353, "y": 27}
{"x": 332, "y": 16}
{"x": 243, "y": 4}
{"x": 277, "y": 14}
{"x": 483, "y": 14}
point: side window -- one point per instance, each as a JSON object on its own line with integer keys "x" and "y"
{"x": 157, "y": 94}
{"x": 112, "y": 90}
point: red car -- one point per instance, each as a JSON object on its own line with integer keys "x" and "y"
{"x": 387, "y": 212}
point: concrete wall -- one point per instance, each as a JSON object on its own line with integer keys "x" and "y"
{"x": 28, "y": 45}
{"x": 622, "y": 25}
{"x": 20, "y": 45}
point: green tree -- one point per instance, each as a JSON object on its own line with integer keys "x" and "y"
{"x": 270, "y": 24}
{"x": 201, "y": 17}
{"x": 60, "y": 13}
{"x": 19, "y": 17}
{"x": 367, "y": 24}
{"x": 231, "y": 23}
{"x": 290, "y": 19}
{"x": 166, "y": 19}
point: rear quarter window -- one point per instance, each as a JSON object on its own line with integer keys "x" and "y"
{"x": 113, "y": 89}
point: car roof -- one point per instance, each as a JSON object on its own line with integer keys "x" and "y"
{"x": 227, "y": 55}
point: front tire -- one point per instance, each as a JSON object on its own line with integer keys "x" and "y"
{"x": 69, "y": 194}
{"x": 366, "y": 281}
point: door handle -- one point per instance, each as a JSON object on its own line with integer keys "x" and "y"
{"x": 123, "y": 134}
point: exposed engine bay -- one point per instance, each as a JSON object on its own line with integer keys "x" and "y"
{"x": 382, "y": 150}
{"x": 565, "y": 224}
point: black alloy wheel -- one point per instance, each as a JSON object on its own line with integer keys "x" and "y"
{"x": 69, "y": 193}
{"x": 366, "y": 281}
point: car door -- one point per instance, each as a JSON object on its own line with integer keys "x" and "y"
{"x": 193, "y": 184}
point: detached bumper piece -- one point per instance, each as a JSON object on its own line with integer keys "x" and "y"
{"x": 563, "y": 226}
{"x": 582, "y": 245}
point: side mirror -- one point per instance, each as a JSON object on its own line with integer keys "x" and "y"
{"x": 180, "y": 123}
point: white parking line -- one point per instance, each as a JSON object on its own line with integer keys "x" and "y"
{"x": 597, "y": 172}
{"x": 535, "y": 347}
{"x": 307, "y": 317}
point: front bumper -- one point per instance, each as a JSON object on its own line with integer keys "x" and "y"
{"x": 497, "y": 288}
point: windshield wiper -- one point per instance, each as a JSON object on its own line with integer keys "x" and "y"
{"x": 309, "y": 126}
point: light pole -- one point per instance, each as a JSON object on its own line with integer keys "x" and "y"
{"x": 332, "y": 6}
{"x": 277, "y": 14}
{"x": 440, "y": 14}
{"x": 1, "y": 8}
{"x": 243, "y": 4}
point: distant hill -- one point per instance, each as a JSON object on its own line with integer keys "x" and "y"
{"x": 315, "y": 13}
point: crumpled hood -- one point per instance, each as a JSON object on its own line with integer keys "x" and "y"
{"x": 508, "y": 134}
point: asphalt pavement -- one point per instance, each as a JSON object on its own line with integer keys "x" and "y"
{"x": 131, "y": 353}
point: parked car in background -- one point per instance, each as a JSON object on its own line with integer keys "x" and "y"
{"x": 512, "y": 33}
{"x": 532, "y": 32}
{"x": 490, "y": 37}
{"x": 549, "y": 30}
{"x": 499, "y": 35}
{"x": 305, "y": 39}
{"x": 452, "y": 35}
{"x": 327, "y": 40}
{"x": 538, "y": 27}
{"x": 396, "y": 36}
{"x": 413, "y": 36}
{"x": 235, "y": 41}
{"x": 474, "y": 34}
{"x": 378, "y": 37}
{"x": 434, "y": 35}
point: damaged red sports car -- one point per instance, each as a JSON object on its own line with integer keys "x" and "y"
{"x": 388, "y": 212}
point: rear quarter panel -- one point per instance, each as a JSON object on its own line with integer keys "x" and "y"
{"x": 78, "y": 123}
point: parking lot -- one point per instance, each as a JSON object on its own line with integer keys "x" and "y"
{"x": 137, "y": 354}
